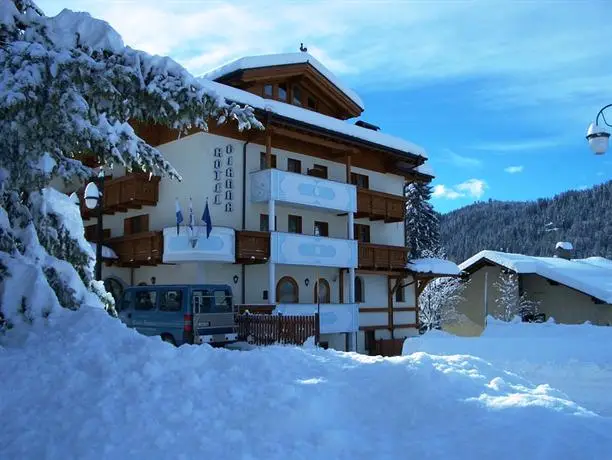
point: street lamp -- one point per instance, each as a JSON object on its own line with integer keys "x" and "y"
{"x": 93, "y": 199}
{"x": 598, "y": 136}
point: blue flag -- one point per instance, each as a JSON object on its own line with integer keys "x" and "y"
{"x": 179, "y": 215}
{"x": 206, "y": 219}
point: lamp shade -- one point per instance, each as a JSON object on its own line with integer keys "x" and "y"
{"x": 92, "y": 195}
{"x": 598, "y": 138}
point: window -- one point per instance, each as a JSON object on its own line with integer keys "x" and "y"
{"x": 312, "y": 104}
{"x": 171, "y": 300}
{"x": 223, "y": 302}
{"x": 126, "y": 301}
{"x": 297, "y": 95}
{"x": 362, "y": 233}
{"x": 360, "y": 180}
{"x": 359, "y": 290}
{"x": 146, "y": 300}
{"x": 287, "y": 290}
{"x": 200, "y": 302}
{"x": 399, "y": 293}
{"x": 294, "y": 166}
{"x": 318, "y": 171}
{"x": 262, "y": 161}
{"x": 294, "y": 224}
{"x": 321, "y": 228}
{"x": 264, "y": 225}
{"x": 267, "y": 90}
{"x": 324, "y": 292}
{"x": 282, "y": 91}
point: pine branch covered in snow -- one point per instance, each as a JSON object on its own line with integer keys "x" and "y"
{"x": 438, "y": 303}
{"x": 422, "y": 226}
{"x": 69, "y": 86}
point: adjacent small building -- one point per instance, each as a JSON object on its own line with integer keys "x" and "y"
{"x": 571, "y": 291}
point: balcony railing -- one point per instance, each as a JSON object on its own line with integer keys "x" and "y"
{"x": 318, "y": 251}
{"x": 380, "y": 206}
{"x": 138, "y": 249}
{"x": 382, "y": 257}
{"x": 252, "y": 247}
{"x": 305, "y": 190}
{"x": 132, "y": 191}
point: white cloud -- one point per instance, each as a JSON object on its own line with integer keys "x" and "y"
{"x": 514, "y": 169}
{"x": 528, "y": 145}
{"x": 473, "y": 188}
{"x": 442, "y": 191}
{"x": 461, "y": 161}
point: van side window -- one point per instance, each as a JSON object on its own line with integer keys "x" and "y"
{"x": 126, "y": 301}
{"x": 171, "y": 300}
{"x": 200, "y": 301}
{"x": 146, "y": 300}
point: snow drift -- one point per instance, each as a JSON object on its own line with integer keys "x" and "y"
{"x": 575, "y": 359}
{"x": 87, "y": 387}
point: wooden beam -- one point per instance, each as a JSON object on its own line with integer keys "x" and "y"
{"x": 363, "y": 271}
{"x": 373, "y": 328}
{"x": 422, "y": 284}
{"x": 341, "y": 287}
{"x": 406, "y": 326}
{"x": 405, "y": 309}
{"x": 390, "y": 305}
{"x": 268, "y": 149}
{"x": 348, "y": 168}
{"x": 373, "y": 310}
{"x": 312, "y": 139}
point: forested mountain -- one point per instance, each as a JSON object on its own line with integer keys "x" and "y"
{"x": 584, "y": 218}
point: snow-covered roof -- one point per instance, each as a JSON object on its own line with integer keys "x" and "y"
{"x": 564, "y": 245}
{"x": 592, "y": 275}
{"x": 425, "y": 169}
{"x": 433, "y": 266}
{"x": 269, "y": 60}
{"x": 312, "y": 118}
{"x": 107, "y": 253}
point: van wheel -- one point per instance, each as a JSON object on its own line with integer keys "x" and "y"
{"x": 168, "y": 338}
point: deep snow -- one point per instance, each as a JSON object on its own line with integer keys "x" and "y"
{"x": 575, "y": 359}
{"x": 87, "y": 387}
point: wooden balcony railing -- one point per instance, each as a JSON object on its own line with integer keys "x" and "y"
{"x": 382, "y": 257}
{"x": 138, "y": 249}
{"x": 132, "y": 191}
{"x": 252, "y": 247}
{"x": 380, "y": 206}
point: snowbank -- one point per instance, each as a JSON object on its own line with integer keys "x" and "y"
{"x": 87, "y": 387}
{"x": 575, "y": 359}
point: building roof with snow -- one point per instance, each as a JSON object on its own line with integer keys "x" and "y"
{"x": 433, "y": 266}
{"x": 273, "y": 60}
{"x": 592, "y": 276}
{"x": 315, "y": 119}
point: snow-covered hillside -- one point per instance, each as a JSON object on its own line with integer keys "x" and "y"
{"x": 87, "y": 387}
{"x": 575, "y": 359}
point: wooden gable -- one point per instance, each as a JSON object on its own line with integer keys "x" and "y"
{"x": 312, "y": 85}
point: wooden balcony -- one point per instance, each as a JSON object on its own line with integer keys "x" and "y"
{"x": 382, "y": 257}
{"x": 252, "y": 247}
{"x": 145, "y": 248}
{"x": 380, "y": 206}
{"x": 132, "y": 191}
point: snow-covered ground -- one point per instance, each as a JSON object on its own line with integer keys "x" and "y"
{"x": 576, "y": 359}
{"x": 87, "y": 387}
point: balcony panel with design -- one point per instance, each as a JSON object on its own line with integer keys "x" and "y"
{"x": 252, "y": 247}
{"x": 145, "y": 248}
{"x": 380, "y": 206}
{"x": 296, "y": 249}
{"x": 193, "y": 245}
{"x": 305, "y": 190}
{"x": 382, "y": 257}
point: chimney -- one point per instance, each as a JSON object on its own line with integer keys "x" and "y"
{"x": 563, "y": 250}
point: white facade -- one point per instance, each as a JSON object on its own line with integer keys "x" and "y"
{"x": 213, "y": 168}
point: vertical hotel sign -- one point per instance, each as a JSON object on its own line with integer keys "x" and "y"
{"x": 223, "y": 170}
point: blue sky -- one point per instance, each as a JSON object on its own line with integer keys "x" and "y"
{"x": 500, "y": 93}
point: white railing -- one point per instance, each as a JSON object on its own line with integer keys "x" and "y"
{"x": 318, "y": 251}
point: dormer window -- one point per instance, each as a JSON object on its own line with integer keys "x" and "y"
{"x": 312, "y": 104}
{"x": 282, "y": 91}
{"x": 297, "y": 95}
{"x": 267, "y": 90}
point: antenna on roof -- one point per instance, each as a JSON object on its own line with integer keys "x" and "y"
{"x": 303, "y": 49}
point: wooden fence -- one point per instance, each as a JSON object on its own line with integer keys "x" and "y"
{"x": 388, "y": 347}
{"x": 270, "y": 329}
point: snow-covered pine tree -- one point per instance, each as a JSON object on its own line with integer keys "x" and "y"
{"x": 422, "y": 228}
{"x": 71, "y": 87}
{"x": 438, "y": 303}
{"x": 509, "y": 301}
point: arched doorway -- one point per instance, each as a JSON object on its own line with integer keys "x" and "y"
{"x": 287, "y": 290}
{"x": 322, "y": 291}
